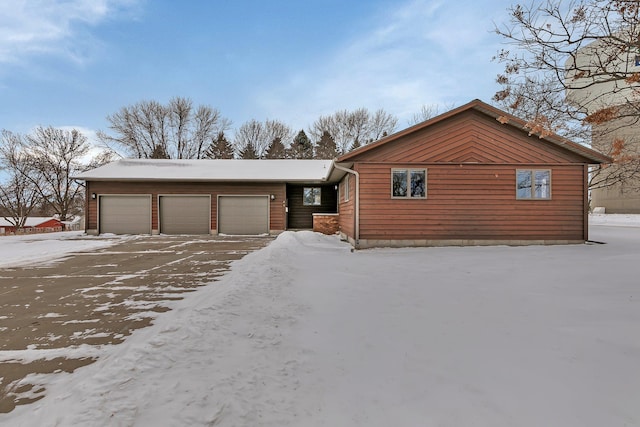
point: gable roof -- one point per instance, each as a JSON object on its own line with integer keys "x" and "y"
{"x": 503, "y": 117}
{"x": 211, "y": 170}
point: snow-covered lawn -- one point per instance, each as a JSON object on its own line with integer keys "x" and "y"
{"x": 307, "y": 333}
{"x": 33, "y": 248}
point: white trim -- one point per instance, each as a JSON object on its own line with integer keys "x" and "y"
{"x": 408, "y": 170}
{"x": 532, "y": 172}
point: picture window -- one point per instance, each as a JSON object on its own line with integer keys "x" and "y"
{"x": 533, "y": 184}
{"x": 311, "y": 196}
{"x": 409, "y": 183}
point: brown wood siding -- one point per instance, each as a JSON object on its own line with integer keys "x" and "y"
{"x": 301, "y": 216}
{"x": 276, "y": 209}
{"x": 346, "y": 208}
{"x": 471, "y": 202}
{"x": 470, "y": 137}
{"x": 585, "y": 209}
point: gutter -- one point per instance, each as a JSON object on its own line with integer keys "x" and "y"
{"x": 357, "y": 201}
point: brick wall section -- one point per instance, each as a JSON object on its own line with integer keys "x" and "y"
{"x": 326, "y": 223}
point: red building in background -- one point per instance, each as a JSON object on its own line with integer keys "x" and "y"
{"x": 34, "y": 224}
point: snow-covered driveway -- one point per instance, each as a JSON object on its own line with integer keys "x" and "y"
{"x": 307, "y": 333}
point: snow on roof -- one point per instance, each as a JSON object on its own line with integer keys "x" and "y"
{"x": 32, "y": 221}
{"x": 210, "y": 170}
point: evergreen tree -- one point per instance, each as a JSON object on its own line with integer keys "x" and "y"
{"x": 276, "y": 149}
{"x": 326, "y": 148}
{"x": 159, "y": 153}
{"x": 356, "y": 144}
{"x": 301, "y": 148}
{"x": 249, "y": 152}
{"x": 220, "y": 148}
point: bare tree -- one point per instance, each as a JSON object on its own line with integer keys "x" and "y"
{"x": 260, "y": 136}
{"x": 357, "y": 124}
{"x": 381, "y": 124}
{"x": 573, "y": 72}
{"x": 277, "y": 129}
{"x": 179, "y": 130}
{"x": 428, "y": 112}
{"x": 179, "y": 114}
{"x": 56, "y": 156}
{"x": 47, "y": 159}
{"x": 19, "y": 194}
{"x": 251, "y": 140}
{"x": 358, "y": 127}
{"x": 99, "y": 159}
{"x": 138, "y": 129}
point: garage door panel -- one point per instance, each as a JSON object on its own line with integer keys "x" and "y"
{"x": 125, "y": 214}
{"x": 185, "y": 214}
{"x": 243, "y": 215}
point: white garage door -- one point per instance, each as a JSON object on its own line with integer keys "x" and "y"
{"x": 243, "y": 215}
{"x": 125, "y": 214}
{"x": 185, "y": 214}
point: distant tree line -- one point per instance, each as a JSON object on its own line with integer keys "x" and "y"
{"x": 180, "y": 130}
{"x": 37, "y": 168}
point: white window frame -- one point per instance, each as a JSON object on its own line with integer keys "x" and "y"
{"x": 532, "y": 177}
{"x": 408, "y": 171}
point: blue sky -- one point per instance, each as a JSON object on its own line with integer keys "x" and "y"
{"x": 70, "y": 63}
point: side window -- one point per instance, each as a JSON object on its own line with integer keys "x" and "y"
{"x": 409, "y": 183}
{"x": 346, "y": 188}
{"x": 311, "y": 196}
{"x": 533, "y": 184}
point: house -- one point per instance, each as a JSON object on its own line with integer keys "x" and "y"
{"x": 33, "y": 224}
{"x": 474, "y": 175}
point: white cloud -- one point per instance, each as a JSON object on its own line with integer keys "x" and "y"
{"x": 422, "y": 52}
{"x": 53, "y": 27}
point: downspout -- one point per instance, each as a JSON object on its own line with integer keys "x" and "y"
{"x": 357, "y": 201}
{"x": 87, "y": 200}
{"x": 585, "y": 205}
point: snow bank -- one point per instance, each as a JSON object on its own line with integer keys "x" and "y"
{"x": 33, "y": 248}
{"x": 625, "y": 220}
{"x": 306, "y": 332}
